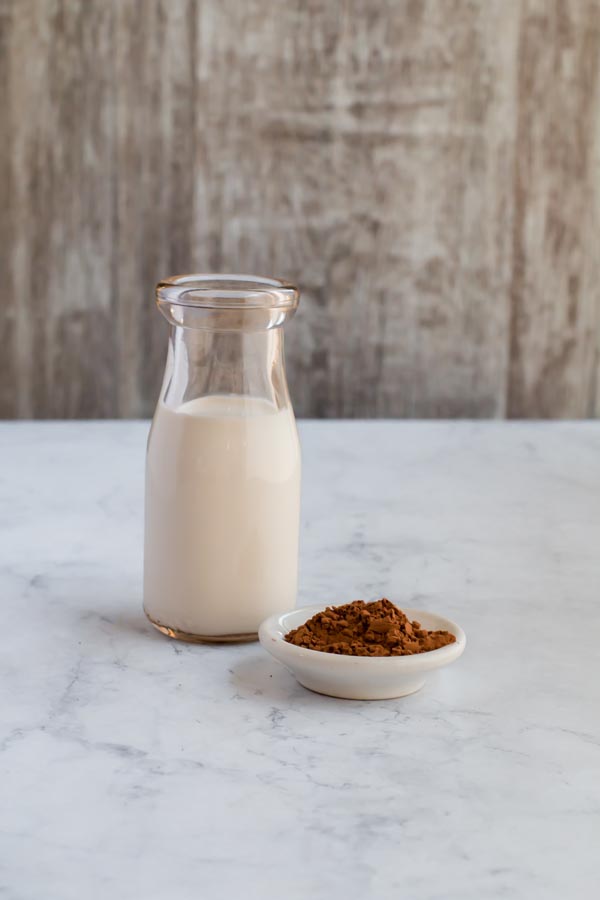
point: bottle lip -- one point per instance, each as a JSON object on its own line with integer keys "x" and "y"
{"x": 219, "y": 291}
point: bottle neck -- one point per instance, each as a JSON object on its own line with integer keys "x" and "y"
{"x": 203, "y": 363}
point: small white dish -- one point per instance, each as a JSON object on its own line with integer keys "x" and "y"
{"x": 358, "y": 677}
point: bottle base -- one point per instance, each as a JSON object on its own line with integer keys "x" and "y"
{"x": 189, "y": 638}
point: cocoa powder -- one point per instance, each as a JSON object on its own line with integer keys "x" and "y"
{"x": 367, "y": 629}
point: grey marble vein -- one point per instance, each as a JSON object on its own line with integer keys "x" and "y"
{"x": 133, "y": 767}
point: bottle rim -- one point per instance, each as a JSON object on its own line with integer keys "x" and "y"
{"x": 222, "y": 291}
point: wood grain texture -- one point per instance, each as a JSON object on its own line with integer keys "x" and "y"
{"x": 58, "y": 137}
{"x": 556, "y": 265}
{"x": 426, "y": 170}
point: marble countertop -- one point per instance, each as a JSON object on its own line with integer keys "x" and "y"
{"x": 136, "y": 768}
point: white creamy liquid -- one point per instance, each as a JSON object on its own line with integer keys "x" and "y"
{"x": 222, "y": 515}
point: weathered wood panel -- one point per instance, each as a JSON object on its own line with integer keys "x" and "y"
{"x": 426, "y": 170}
{"x": 556, "y": 265}
{"x": 60, "y": 353}
{"x": 155, "y": 157}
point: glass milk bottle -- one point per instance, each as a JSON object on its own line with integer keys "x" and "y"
{"x": 223, "y": 462}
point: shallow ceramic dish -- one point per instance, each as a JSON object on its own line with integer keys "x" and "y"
{"x": 358, "y": 677}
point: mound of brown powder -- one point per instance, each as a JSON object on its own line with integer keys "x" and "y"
{"x": 367, "y": 629}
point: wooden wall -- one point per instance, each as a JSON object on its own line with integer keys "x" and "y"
{"x": 427, "y": 170}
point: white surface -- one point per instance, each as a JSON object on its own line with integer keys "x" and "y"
{"x": 137, "y": 768}
{"x": 359, "y": 677}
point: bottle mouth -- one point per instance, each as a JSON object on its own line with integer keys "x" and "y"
{"x": 226, "y": 292}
